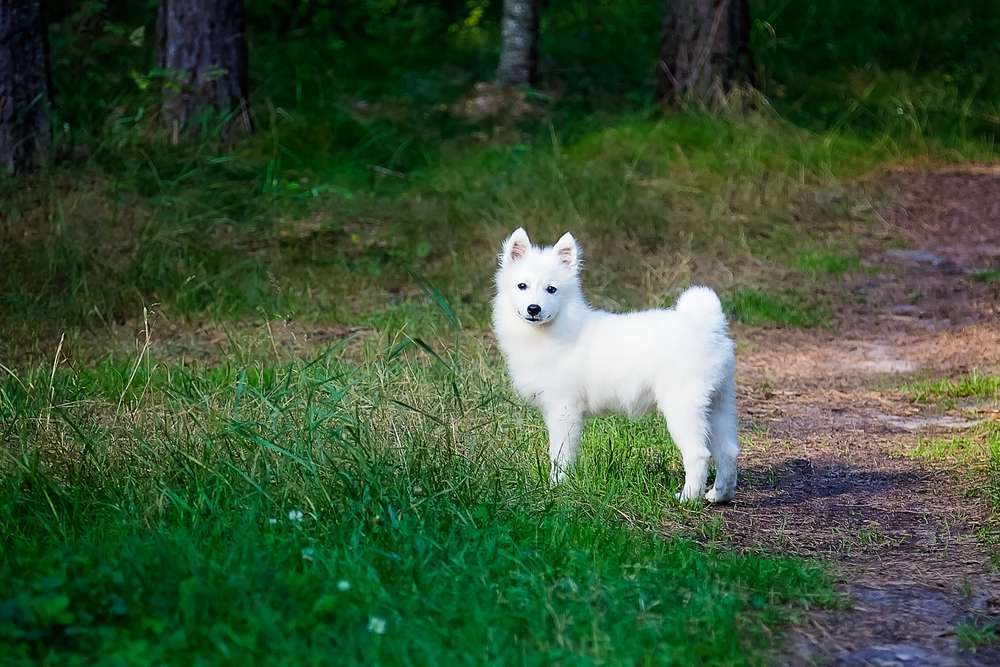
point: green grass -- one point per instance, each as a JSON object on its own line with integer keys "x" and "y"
{"x": 975, "y": 451}
{"x": 987, "y": 276}
{"x": 379, "y": 506}
{"x": 975, "y": 385}
{"x": 975, "y": 454}
{"x": 820, "y": 263}
{"x": 197, "y": 246}
{"x": 647, "y": 198}
{"x": 956, "y": 449}
{"x": 755, "y": 307}
{"x": 972, "y": 636}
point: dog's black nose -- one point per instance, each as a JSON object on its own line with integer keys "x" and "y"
{"x": 534, "y": 309}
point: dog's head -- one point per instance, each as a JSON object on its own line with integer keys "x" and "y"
{"x": 535, "y": 281}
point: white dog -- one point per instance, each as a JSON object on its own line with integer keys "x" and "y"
{"x": 571, "y": 360}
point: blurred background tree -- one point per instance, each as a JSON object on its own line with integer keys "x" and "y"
{"x": 519, "y": 43}
{"x": 705, "y": 52}
{"x": 202, "y": 55}
{"x": 24, "y": 84}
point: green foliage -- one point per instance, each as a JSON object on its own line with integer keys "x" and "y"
{"x": 917, "y": 70}
{"x": 98, "y": 48}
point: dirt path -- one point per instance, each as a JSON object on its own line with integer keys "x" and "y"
{"x": 825, "y": 470}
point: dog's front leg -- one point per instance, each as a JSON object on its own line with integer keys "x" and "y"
{"x": 565, "y": 422}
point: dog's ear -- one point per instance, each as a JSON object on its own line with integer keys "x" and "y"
{"x": 515, "y": 247}
{"x": 568, "y": 251}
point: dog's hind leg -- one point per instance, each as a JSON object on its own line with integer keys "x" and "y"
{"x": 724, "y": 442}
{"x": 565, "y": 423}
{"x": 688, "y": 424}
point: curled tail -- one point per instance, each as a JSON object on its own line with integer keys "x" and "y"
{"x": 701, "y": 305}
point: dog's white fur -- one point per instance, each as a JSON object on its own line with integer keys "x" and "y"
{"x": 572, "y": 360}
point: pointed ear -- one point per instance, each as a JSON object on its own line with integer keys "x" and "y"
{"x": 515, "y": 247}
{"x": 568, "y": 251}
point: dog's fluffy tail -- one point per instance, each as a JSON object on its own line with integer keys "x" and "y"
{"x": 701, "y": 305}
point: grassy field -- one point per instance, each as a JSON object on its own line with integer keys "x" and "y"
{"x": 249, "y": 406}
{"x": 374, "y": 503}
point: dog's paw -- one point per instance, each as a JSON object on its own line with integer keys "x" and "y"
{"x": 685, "y": 498}
{"x": 715, "y": 496}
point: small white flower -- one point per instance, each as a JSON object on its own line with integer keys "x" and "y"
{"x": 272, "y": 521}
{"x": 376, "y": 624}
{"x": 308, "y": 553}
{"x": 343, "y": 585}
{"x": 295, "y": 516}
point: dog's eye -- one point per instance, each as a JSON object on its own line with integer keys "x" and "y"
{"x": 550, "y": 289}
{"x": 522, "y": 286}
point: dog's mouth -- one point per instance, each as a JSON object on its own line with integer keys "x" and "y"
{"x": 531, "y": 318}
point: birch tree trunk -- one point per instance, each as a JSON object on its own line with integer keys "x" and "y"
{"x": 705, "y": 52}
{"x": 202, "y": 43}
{"x": 24, "y": 85}
{"x": 519, "y": 47}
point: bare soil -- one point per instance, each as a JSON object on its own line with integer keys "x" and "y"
{"x": 825, "y": 471}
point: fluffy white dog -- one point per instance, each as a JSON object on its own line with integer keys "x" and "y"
{"x": 571, "y": 360}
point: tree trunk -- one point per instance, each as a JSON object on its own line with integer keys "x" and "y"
{"x": 24, "y": 85}
{"x": 202, "y": 44}
{"x": 519, "y": 47}
{"x": 705, "y": 52}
